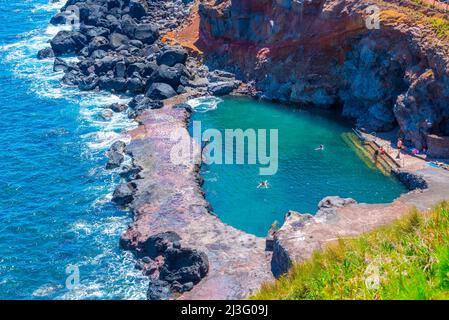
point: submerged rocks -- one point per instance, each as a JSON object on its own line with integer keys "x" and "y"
{"x": 118, "y": 107}
{"x": 45, "y": 53}
{"x": 106, "y": 114}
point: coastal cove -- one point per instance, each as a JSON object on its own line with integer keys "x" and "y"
{"x": 96, "y": 204}
{"x": 305, "y": 176}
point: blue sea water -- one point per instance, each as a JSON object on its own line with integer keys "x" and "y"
{"x": 55, "y": 208}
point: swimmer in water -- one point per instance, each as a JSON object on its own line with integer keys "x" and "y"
{"x": 320, "y": 148}
{"x": 263, "y": 184}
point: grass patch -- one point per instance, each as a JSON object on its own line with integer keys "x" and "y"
{"x": 441, "y": 26}
{"x": 407, "y": 260}
{"x": 394, "y": 14}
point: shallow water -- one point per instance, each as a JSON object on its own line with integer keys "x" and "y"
{"x": 304, "y": 177}
{"x": 55, "y": 208}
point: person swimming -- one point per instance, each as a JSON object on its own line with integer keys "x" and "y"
{"x": 320, "y": 148}
{"x": 263, "y": 184}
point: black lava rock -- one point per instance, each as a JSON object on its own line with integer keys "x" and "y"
{"x": 123, "y": 194}
{"x": 45, "y": 54}
{"x": 66, "y": 42}
{"x": 160, "y": 91}
{"x": 159, "y": 290}
{"x": 172, "y": 56}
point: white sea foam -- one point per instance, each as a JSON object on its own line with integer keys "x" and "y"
{"x": 120, "y": 275}
{"x": 116, "y": 267}
{"x": 204, "y": 104}
{"x": 51, "y": 6}
{"x": 46, "y": 290}
{"x": 46, "y": 84}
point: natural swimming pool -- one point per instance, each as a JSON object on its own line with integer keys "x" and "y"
{"x": 304, "y": 175}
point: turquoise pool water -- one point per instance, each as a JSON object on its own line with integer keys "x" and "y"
{"x": 304, "y": 177}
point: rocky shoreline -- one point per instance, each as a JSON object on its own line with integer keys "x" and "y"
{"x": 186, "y": 251}
{"x": 120, "y": 48}
{"x": 168, "y": 197}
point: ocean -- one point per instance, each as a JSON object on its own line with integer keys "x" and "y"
{"x": 56, "y": 217}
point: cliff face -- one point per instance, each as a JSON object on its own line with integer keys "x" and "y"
{"x": 322, "y": 53}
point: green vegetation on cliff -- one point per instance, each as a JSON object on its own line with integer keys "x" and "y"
{"x": 407, "y": 260}
{"x": 441, "y": 26}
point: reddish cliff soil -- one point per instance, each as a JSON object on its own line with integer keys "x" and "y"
{"x": 322, "y": 53}
{"x": 188, "y": 34}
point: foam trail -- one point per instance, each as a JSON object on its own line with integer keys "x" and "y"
{"x": 204, "y": 104}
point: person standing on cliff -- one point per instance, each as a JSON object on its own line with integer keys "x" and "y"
{"x": 399, "y": 145}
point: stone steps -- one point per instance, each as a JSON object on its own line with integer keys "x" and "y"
{"x": 366, "y": 149}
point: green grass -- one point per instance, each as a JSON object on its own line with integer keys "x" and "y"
{"x": 441, "y": 26}
{"x": 407, "y": 260}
